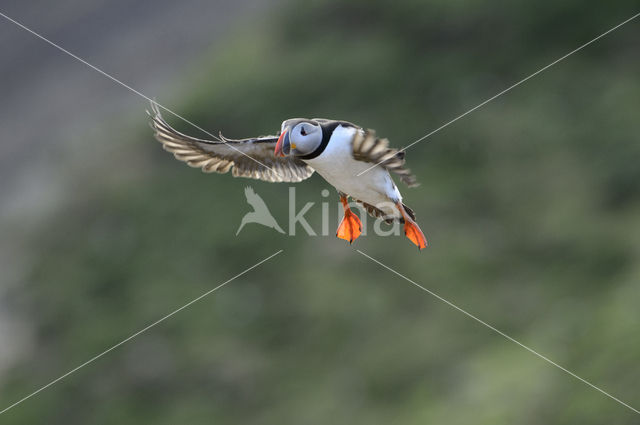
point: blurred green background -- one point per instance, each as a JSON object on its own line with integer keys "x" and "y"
{"x": 531, "y": 205}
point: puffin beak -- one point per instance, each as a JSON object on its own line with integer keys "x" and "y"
{"x": 282, "y": 147}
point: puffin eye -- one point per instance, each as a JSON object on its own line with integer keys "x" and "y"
{"x": 303, "y": 132}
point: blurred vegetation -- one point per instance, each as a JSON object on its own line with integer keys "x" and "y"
{"x": 531, "y": 205}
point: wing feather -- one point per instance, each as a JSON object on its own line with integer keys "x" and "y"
{"x": 367, "y": 147}
{"x": 251, "y": 158}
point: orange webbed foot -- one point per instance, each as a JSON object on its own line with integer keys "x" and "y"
{"x": 411, "y": 228}
{"x": 350, "y": 227}
{"x": 415, "y": 235}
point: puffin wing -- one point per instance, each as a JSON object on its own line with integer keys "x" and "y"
{"x": 252, "y": 158}
{"x": 367, "y": 147}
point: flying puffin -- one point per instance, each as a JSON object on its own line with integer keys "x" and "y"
{"x": 337, "y": 150}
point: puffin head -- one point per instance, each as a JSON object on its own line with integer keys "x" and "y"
{"x": 298, "y": 137}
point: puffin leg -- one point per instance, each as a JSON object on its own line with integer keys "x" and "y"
{"x": 350, "y": 226}
{"x": 411, "y": 229}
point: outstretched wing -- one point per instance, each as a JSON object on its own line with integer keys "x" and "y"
{"x": 368, "y": 148}
{"x": 252, "y": 158}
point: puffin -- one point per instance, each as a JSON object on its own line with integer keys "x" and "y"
{"x": 352, "y": 159}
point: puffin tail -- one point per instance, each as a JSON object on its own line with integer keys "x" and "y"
{"x": 409, "y": 211}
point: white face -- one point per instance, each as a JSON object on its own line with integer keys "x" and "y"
{"x": 305, "y": 137}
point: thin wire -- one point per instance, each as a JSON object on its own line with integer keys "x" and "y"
{"x": 91, "y": 360}
{"x": 506, "y": 90}
{"x": 112, "y": 78}
{"x": 500, "y": 332}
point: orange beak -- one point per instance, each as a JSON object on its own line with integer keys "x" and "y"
{"x": 278, "y": 151}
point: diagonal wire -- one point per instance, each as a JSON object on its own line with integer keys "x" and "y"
{"x": 531, "y": 350}
{"x": 112, "y": 78}
{"x": 507, "y": 89}
{"x": 113, "y": 347}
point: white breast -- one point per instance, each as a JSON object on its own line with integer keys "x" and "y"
{"x": 337, "y": 166}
